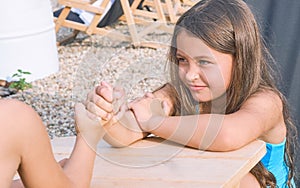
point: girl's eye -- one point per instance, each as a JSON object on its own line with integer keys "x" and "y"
{"x": 202, "y": 62}
{"x": 181, "y": 60}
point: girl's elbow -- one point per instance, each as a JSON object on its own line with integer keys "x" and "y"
{"x": 225, "y": 141}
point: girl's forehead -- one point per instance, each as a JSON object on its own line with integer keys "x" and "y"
{"x": 192, "y": 46}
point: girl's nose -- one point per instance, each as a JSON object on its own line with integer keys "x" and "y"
{"x": 193, "y": 73}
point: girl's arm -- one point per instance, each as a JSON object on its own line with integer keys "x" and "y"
{"x": 260, "y": 117}
{"x": 122, "y": 129}
{"x": 79, "y": 167}
{"x": 25, "y": 146}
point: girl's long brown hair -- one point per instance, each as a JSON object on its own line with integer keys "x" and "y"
{"x": 229, "y": 26}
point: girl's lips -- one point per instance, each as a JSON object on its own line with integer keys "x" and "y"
{"x": 196, "y": 87}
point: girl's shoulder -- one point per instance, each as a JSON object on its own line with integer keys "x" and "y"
{"x": 267, "y": 106}
{"x": 265, "y": 98}
{"x": 10, "y": 107}
{"x": 11, "y": 103}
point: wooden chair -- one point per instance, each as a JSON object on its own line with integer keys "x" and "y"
{"x": 132, "y": 15}
{"x": 172, "y": 8}
{"x": 189, "y": 2}
{"x": 153, "y": 20}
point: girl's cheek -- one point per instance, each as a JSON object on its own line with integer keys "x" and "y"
{"x": 217, "y": 85}
{"x": 182, "y": 73}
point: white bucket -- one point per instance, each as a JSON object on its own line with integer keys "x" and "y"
{"x": 27, "y": 39}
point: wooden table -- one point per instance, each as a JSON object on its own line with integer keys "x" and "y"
{"x": 158, "y": 163}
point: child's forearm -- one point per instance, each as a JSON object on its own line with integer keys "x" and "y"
{"x": 79, "y": 167}
{"x": 125, "y": 131}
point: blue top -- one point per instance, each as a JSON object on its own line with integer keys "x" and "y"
{"x": 274, "y": 162}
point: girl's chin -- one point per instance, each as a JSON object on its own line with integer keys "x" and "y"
{"x": 200, "y": 97}
{"x": 201, "y": 100}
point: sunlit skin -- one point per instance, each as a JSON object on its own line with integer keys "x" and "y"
{"x": 25, "y": 147}
{"x": 204, "y": 71}
{"x": 207, "y": 75}
{"x": 260, "y": 117}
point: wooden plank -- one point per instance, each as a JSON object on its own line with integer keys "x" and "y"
{"x": 168, "y": 169}
{"x": 130, "y": 22}
{"x": 163, "y": 163}
{"x": 74, "y": 25}
{"x": 165, "y": 147}
{"x": 171, "y": 11}
{"x": 83, "y": 5}
{"x": 159, "y": 10}
{"x": 61, "y": 19}
{"x": 132, "y": 183}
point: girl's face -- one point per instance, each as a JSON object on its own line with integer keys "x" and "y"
{"x": 203, "y": 70}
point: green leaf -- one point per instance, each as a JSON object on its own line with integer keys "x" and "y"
{"x": 16, "y": 74}
{"x": 26, "y": 72}
{"x": 21, "y": 84}
{"x": 13, "y": 85}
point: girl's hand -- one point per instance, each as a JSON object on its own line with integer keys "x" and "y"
{"x": 105, "y": 102}
{"x": 148, "y": 111}
{"x": 99, "y": 102}
{"x": 88, "y": 125}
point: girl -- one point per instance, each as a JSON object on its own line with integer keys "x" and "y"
{"x": 226, "y": 92}
{"x": 25, "y": 147}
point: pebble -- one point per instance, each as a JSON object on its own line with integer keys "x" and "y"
{"x": 83, "y": 64}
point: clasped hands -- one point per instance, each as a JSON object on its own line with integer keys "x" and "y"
{"x": 122, "y": 123}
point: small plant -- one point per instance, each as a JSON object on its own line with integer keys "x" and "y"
{"x": 20, "y": 84}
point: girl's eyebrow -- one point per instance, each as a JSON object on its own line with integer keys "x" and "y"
{"x": 204, "y": 57}
{"x": 180, "y": 53}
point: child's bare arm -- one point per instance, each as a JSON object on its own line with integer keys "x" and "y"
{"x": 169, "y": 94}
{"x": 126, "y": 130}
{"x": 27, "y": 148}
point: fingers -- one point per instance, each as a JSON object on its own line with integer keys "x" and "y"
{"x": 102, "y": 97}
{"x": 79, "y": 108}
{"x": 106, "y": 91}
{"x": 100, "y": 104}
{"x": 118, "y": 99}
{"x": 121, "y": 112}
{"x": 82, "y": 114}
{"x": 96, "y": 111}
{"x": 145, "y": 100}
{"x": 105, "y": 101}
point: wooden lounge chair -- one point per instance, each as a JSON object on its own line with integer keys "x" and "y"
{"x": 153, "y": 20}
{"x": 172, "y": 9}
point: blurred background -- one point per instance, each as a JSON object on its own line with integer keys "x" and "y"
{"x": 280, "y": 24}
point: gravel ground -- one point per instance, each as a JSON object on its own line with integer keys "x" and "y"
{"x": 86, "y": 61}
